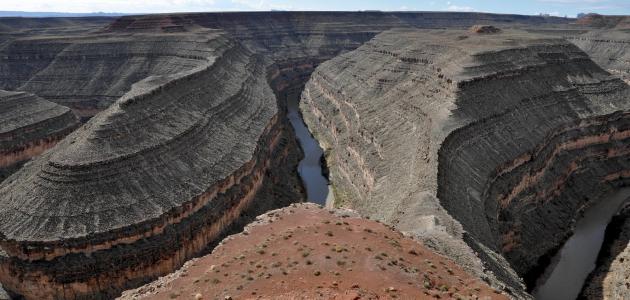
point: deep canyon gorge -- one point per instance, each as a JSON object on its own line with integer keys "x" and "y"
{"x": 131, "y": 145}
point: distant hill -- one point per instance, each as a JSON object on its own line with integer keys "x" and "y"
{"x": 29, "y": 14}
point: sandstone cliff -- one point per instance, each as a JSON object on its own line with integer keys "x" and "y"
{"x": 150, "y": 182}
{"x": 29, "y": 126}
{"x": 497, "y": 140}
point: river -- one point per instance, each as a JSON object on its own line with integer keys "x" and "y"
{"x": 310, "y": 167}
{"x": 576, "y": 259}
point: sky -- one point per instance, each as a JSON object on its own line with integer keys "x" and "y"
{"x": 529, "y": 7}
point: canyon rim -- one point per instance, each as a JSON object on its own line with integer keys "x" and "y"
{"x": 158, "y": 155}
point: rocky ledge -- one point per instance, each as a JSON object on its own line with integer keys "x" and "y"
{"x": 608, "y": 48}
{"x": 29, "y": 125}
{"x": 306, "y": 252}
{"x": 485, "y": 146}
{"x": 150, "y": 182}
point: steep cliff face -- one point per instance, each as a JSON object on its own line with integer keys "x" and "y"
{"x": 150, "y": 182}
{"x": 29, "y": 126}
{"x": 611, "y": 278}
{"x": 495, "y": 140}
{"x": 89, "y": 72}
{"x": 296, "y": 37}
{"x": 86, "y": 67}
{"x": 608, "y": 48}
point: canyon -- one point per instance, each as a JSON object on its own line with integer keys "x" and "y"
{"x": 29, "y": 126}
{"x": 152, "y": 137}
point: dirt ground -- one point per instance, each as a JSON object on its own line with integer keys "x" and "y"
{"x": 305, "y": 252}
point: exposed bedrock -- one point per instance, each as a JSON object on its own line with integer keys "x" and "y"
{"x": 88, "y": 72}
{"x": 86, "y": 65}
{"x": 150, "y": 182}
{"x": 611, "y": 278}
{"x": 29, "y": 126}
{"x": 499, "y": 141}
{"x": 608, "y": 48}
{"x": 295, "y": 36}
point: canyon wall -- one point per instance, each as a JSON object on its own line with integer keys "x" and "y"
{"x": 498, "y": 140}
{"x": 87, "y": 66}
{"x": 608, "y": 48}
{"x": 611, "y": 278}
{"x": 29, "y": 126}
{"x": 150, "y": 182}
{"x": 191, "y": 141}
{"x": 89, "y": 71}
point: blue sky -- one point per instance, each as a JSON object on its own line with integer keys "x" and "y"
{"x": 530, "y": 7}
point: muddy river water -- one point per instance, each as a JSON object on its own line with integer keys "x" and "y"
{"x": 310, "y": 167}
{"x": 565, "y": 277}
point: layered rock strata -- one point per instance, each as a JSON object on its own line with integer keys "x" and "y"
{"x": 611, "y": 278}
{"x": 150, "y": 182}
{"x": 498, "y": 141}
{"x": 88, "y": 72}
{"x": 88, "y": 68}
{"x": 608, "y": 48}
{"x": 290, "y": 37}
{"x": 29, "y": 126}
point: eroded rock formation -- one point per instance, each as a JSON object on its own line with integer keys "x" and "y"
{"x": 484, "y": 29}
{"x": 608, "y": 48}
{"x": 88, "y": 72}
{"x": 496, "y": 140}
{"x": 150, "y": 182}
{"x": 198, "y": 138}
{"x": 29, "y": 126}
{"x": 611, "y": 278}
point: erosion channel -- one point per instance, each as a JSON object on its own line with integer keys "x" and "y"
{"x": 565, "y": 276}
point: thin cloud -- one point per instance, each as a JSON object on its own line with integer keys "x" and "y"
{"x": 453, "y": 7}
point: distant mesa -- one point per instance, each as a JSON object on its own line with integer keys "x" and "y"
{"x": 484, "y": 29}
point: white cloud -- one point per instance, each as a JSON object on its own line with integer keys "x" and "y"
{"x": 130, "y": 6}
{"x": 453, "y": 7}
{"x": 573, "y": 1}
{"x": 261, "y": 5}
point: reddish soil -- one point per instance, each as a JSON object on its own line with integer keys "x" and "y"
{"x": 305, "y": 252}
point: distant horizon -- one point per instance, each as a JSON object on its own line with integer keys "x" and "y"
{"x": 556, "y": 8}
{"x": 53, "y": 14}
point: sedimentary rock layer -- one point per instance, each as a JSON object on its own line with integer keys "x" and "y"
{"x": 29, "y": 126}
{"x": 148, "y": 183}
{"x": 89, "y": 68}
{"x": 293, "y": 36}
{"x": 608, "y": 48}
{"x": 509, "y": 135}
{"x": 88, "y": 72}
{"x": 611, "y": 278}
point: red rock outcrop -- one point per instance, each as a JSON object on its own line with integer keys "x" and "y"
{"x": 306, "y": 252}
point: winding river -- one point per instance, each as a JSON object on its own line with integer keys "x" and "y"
{"x": 565, "y": 276}
{"x": 310, "y": 167}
